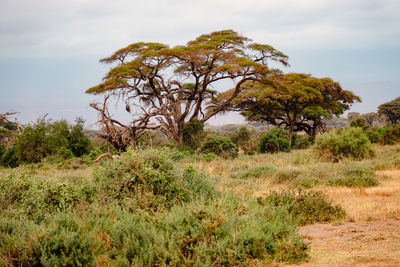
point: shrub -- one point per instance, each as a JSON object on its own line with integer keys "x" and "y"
{"x": 147, "y": 179}
{"x": 192, "y": 133}
{"x": 389, "y": 135}
{"x": 302, "y": 141}
{"x": 359, "y": 122}
{"x": 307, "y": 207}
{"x": 9, "y": 158}
{"x": 44, "y": 138}
{"x": 240, "y": 137}
{"x": 373, "y": 136}
{"x": 275, "y": 140}
{"x": 355, "y": 176}
{"x": 351, "y": 143}
{"x": 220, "y": 146}
{"x": 3, "y": 149}
{"x": 257, "y": 172}
{"x": 284, "y": 176}
{"x": 69, "y": 244}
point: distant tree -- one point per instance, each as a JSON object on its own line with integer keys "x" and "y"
{"x": 374, "y": 119}
{"x": 391, "y": 110}
{"x": 171, "y": 86}
{"x": 8, "y": 128}
{"x": 295, "y": 101}
{"x": 353, "y": 115}
{"x": 43, "y": 138}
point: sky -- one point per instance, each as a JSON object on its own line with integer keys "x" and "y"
{"x": 50, "y": 50}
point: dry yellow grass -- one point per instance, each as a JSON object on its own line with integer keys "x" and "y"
{"x": 379, "y": 202}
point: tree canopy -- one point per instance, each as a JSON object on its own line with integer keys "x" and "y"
{"x": 169, "y": 86}
{"x": 391, "y": 110}
{"x": 295, "y": 101}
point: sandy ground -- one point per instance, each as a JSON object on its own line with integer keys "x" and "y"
{"x": 371, "y": 234}
{"x": 373, "y": 243}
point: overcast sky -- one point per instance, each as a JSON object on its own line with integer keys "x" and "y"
{"x": 49, "y": 49}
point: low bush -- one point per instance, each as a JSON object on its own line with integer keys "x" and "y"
{"x": 147, "y": 179}
{"x": 9, "y": 158}
{"x": 389, "y": 135}
{"x": 302, "y": 141}
{"x": 355, "y": 176}
{"x": 373, "y": 136}
{"x": 220, "y": 146}
{"x": 350, "y": 143}
{"x": 274, "y": 140}
{"x": 307, "y": 207}
{"x": 359, "y": 122}
{"x": 285, "y": 176}
{"x": 3, "y": 149}
{"x": 257, "y": 172}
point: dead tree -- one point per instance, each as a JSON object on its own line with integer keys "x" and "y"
{"x": 122, "y": 135}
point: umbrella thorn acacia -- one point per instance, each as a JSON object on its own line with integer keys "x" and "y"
{"x": 170, "y": 86}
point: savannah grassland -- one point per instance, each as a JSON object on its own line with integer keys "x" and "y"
{"x": 370, "y": 233}
{"x": 367, "y": 190}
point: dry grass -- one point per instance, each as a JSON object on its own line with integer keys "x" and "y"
{"x": 380, "y": 202}
{"x": 365, "y": 204}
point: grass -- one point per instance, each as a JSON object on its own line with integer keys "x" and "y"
{"x": 143, "y": 209}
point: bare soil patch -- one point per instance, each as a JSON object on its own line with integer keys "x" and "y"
{"x": 364, "y": 243}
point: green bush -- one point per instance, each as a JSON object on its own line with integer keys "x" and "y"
{"x": 9, "y": 158}
{"x": 147, "y": 179}
{"x": 240, "y": 137}
{"x": 302, "y": 141}
{"x": 275, "y": 140}
{"x": 220, "y": 146}
{"x": 257, "y": 172}
{"x": 389, "y": 135}
{"x": 355, "y": 176}
{"x": 192, "y": 133}
{"x": 373, "y": 136}
{"x": 69, "y": 244}
{"x": 359, "y": 122}
{"x": 351, "y": 143}
{"x": 44, "y": 138}
{"x": 3, "y": 149}
{"x": 307, "y": 208}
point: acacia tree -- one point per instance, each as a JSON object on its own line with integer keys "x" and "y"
{"x": 295, "y": 101}
{"x": 173, "y": 85}
{"x": 391, "y": 110}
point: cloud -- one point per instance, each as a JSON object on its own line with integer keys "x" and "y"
{"x": 48, "y": 28}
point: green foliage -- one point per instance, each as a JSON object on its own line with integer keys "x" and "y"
{"x": 192, "y": 133}
{"x": 257, "y": 172}
{"x": 69, "y": 244}
{"x": 355, "y": 176}
{"x": 391, "y": 110}
{"x": 274, "y": 140}
{"x": 389, "y": 135}
{"x": 220, "y": 146}
{"x": 302, "y": 141}
{"x": 9, "y": 158}
{"x": 147, "y": 179}
{"x": 359, "y": 122}
{"x": 3, "y": 149}
{"x": 295, "y": 101}
{"x": 307, "y": 207}
{"x": 240, "y": 136}
{"x": 373, "y": 136}
{"x": 44, "y": 138}
{"x": 351, "y": 143}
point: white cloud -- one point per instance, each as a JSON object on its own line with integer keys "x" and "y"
{"x": 48, "y": 28}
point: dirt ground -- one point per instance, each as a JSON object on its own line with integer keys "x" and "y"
{"x": 369, "y": 237}
{"x": 368, "y": 243}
